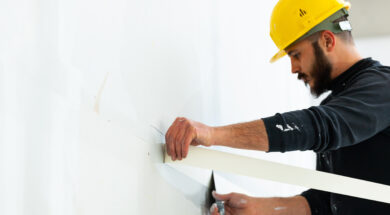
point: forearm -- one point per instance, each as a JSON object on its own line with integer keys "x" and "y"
{"x": 249, "y": 135}
{"x": 296, "y": 205}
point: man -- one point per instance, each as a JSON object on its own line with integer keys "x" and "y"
{"x": 349, "y": 131}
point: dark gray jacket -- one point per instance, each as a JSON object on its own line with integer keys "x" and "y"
{"x": 349, "y": 131}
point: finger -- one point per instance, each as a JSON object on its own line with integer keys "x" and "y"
{"x": 214, "y": 209}
{"x": 179, "y": 138}
{"x": 188, "y": 138}
{"x": 169, "y": 139}
{"x": 171, "y": 148}
{"x": 178, "y": 145}
{"x": 221, "y": 197}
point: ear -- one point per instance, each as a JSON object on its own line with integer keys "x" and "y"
{"x": 328, "y": 40}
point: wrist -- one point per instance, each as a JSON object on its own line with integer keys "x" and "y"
{"x": 271, "y": 206}
{"x": 280, "y": 206}
{"x": 215, "y": 135}
{"x": 290, "y": 205}
{"x": 212, "y": 134}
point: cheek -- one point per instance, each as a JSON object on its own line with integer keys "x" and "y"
{"x": 306, "y": 69}
{"x": 307, "y": 66}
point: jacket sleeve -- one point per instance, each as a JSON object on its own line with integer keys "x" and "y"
{"x": 319, "y": 201}
{"x": 357, "y": 113}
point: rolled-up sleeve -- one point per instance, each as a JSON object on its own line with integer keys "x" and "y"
{"x": 352, "y": 116}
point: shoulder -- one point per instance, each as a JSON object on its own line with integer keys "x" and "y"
{"x": 370, "y": 86}
{"x": 375, "y": 76}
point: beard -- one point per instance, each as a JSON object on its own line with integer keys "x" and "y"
{"x": 320, "y": 72}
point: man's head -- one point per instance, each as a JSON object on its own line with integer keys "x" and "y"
{"x": 317, "y": 37}
{"x": 314, "y": 59}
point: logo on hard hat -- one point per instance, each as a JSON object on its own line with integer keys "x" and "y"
{"x": 302, "y": 13}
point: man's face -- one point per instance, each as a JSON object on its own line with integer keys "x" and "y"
{"x": 312, "y": 66}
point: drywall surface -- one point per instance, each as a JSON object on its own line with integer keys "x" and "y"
{"x": 375, "y": 47}
{"x": 143, "y": 63}
{"x": 122, "y": 173}
{"x": 88, "y": 88}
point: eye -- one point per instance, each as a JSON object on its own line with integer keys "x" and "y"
{"x": 296, "y": 56}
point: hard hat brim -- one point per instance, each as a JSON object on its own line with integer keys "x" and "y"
{"x": 277, "y": 56}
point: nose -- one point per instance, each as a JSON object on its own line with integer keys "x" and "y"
{"x": 295, "y": 68}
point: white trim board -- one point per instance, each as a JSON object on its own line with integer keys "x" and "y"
{"x": 241, "y": 165}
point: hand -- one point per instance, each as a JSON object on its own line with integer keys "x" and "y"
{"x": 235, "y": 204}
{"x": 183, "y": 133}
{"x": 240, "y": 204}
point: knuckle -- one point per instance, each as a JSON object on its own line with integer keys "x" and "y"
{"x": 181, "y": 119}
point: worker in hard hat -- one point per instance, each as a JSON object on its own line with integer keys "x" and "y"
{"x": 349, "y": 130}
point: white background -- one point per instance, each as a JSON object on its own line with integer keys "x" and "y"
{"x": 83, "y": 82}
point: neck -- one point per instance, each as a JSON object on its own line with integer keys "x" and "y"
{"x": 345, "y": 59}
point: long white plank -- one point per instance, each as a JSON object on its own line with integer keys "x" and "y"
{"x": 236, "y": 164}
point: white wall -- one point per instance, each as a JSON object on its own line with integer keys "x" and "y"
{"x": 73, "y": 143}
{"x": 375, "y": 47}
{"x": 83, "y": 83}
{"x": 38, "y": 123}
{"x": 157, "y": 57}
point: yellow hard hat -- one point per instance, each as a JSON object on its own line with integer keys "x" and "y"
{"x": 292, "y": 19}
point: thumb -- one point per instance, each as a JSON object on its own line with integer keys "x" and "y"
{"x": 221, "y": 197}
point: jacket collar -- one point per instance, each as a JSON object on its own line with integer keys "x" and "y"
{"x": 341, "y": 81}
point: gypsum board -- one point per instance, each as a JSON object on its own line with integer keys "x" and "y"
{"x": 242, "y": 165}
